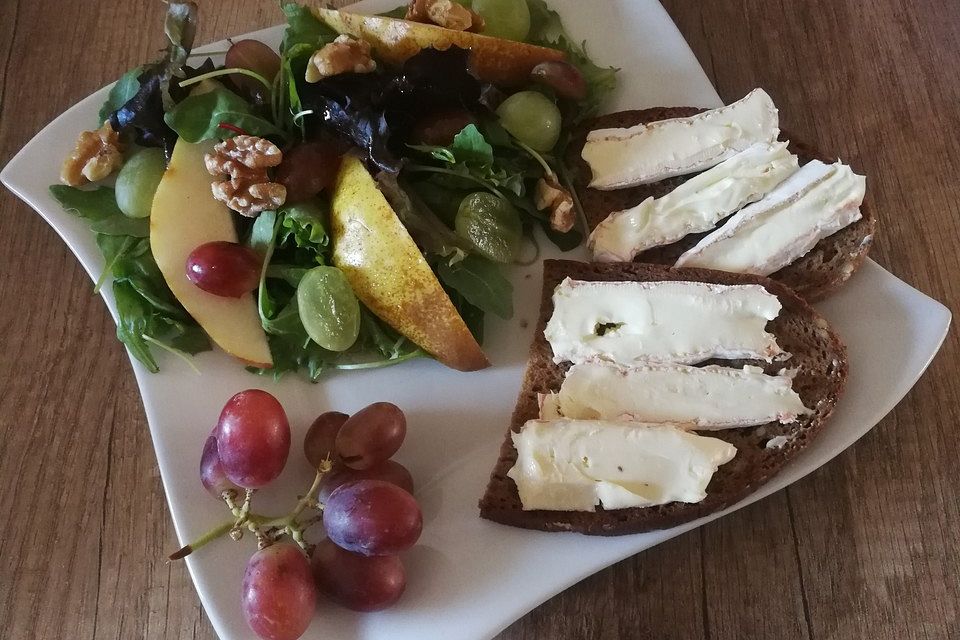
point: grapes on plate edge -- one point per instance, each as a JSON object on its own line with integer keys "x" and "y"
{"x": 362, "y": 499}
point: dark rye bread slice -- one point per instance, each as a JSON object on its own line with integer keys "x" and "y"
{"x": 814, "y": 276}
{"x": 818, "y": 355}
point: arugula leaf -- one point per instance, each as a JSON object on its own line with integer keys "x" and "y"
{"x": 479, "y": 281}
{"x": 546, "y": 29}
{"x": 99, "y": 207}
{"x": 134, "y": 322}
{"x": 427, "y": 231}
{"x": 123, "y": 89}
{"x": 198, "y": 117}
{"x": 472, "y": 316}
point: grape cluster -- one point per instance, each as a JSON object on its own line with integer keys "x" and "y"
{"x": 362, "y": 498}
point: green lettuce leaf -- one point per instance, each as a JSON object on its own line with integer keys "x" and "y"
{"x": 546, "y": 29}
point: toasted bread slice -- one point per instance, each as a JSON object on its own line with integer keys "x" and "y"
{"x": 818, "y": 356}
{"x": 814, "y": 276}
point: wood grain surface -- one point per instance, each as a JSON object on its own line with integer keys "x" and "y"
{"x": 867, "y": 547}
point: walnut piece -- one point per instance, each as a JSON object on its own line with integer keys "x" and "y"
{"x": 550, "y": 195}
{"x": 245, "y": 159}
{"x": 96, "y": 155}
{"x": 343, "y": 55}
{"x": 445, "y": 13}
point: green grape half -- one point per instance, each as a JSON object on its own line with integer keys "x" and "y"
{"x": 138, "y": 180}
{"x": 491, "y": 225}
{"x": 532, "y": 118}
{"x": 509, "y": 19}
{"x": 328, "y": 308}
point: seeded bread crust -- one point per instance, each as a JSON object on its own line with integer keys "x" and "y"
{"x": 818, "y": 356}
{"x": 814, "y": 276}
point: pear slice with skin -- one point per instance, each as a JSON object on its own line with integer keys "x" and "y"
{"x": 184, "y": 216}
{"x": 389, "y": 274}
{"x": 495, "y": 60}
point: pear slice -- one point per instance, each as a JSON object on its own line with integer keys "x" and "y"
{"x": 183, "y": 217}
{"x": 495, "y": 60}
{"x": 389, "y": 274}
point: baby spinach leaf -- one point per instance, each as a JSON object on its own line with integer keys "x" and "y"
{"x": 122, "y": 91}
{"x": 99, "y": 207}
{"x": 479, "y": 281}
{"x": 90, "y": 204}
{"x": 121, "y": 225}
{"x": 198, "y": 117}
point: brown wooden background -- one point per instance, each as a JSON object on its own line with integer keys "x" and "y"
{"x": 865, "y": 548}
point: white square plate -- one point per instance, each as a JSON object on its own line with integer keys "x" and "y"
{"x": 469, "y": 578}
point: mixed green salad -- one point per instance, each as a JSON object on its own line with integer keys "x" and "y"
{"x": 470, "y": 169}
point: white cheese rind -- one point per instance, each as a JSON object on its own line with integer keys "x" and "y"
{"x": 764, "y": 237}
{"x": 654, "y": 151}
{"x": 701, "y": 398}
{"x": 695, "y": 206}
{"x": 575, "y": 465}
{"x": 660, "y": 322}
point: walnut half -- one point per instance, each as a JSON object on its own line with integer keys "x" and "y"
{"x": 550, "y": 195}
{"x": 343, "y": 55}
{"x": 445, "y": 13}
{"x": 96, "y": 155}
{"x": 245, "y": 159}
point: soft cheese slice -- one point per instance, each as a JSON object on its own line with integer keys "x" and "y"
{"x": 695, "y": 206}
{"x": 660, "y": 322}
{"x": 815, "y": 202}
{"x": 575, "y": 465}
{"x": 702, "y": 398}
{"x": 654, "y": 151}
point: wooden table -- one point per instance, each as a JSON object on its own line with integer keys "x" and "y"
{"x": 864, "y": 548}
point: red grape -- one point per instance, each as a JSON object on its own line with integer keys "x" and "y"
{"x": 212, "y": 475}
{"x": 253, "y": 435}
{"x": 440, "y": 128}
{"x": 254, "y": 56}
{"x": 308, "y": 168}
{"x": 319, "y": 443}
{"x": 371, "y": 435}
{"x": 372, "y": 518}
{"x": 389, "y": 471}
{"x": 357, "y": 582}
{"x": 225, "y": 269}
{"x": 279, "y": 595}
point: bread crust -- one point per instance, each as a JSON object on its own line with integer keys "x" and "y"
{"x": 818, "y": 356}
{"x": 813, "y": 276}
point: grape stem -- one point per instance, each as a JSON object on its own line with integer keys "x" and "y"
{"x": 267, "y": 529}
{"x": 209, "y": 536}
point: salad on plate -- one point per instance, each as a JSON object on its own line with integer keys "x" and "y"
{"x": 354, "y": 199}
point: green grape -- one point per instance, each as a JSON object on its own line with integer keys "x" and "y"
{"x": 328, "y": 308}
{"x": 532, "y": 118}
{"x": 138, "y": 180}
{"x": 509, "y": 19}
{"x": 491, "y": 225}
